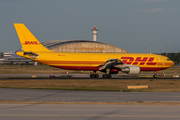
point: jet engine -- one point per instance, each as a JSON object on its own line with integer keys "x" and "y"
{"x": 131, "y": 70}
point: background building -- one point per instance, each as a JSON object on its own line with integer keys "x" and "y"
{"x": 81, "y": 46}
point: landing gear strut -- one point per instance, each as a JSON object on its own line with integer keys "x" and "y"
{"x": 107, "y": 75}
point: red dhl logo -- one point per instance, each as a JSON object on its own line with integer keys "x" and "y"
{"x": 31, "y": 43}
{"x": 139, "y": 60}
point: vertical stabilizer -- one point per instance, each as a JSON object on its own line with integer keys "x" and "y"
{"x": 28, "y": 41}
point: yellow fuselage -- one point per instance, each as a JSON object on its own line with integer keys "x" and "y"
{"x": 92, "y": 61}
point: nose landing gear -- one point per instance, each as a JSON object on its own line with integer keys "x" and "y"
{"x": 155, "y": 74}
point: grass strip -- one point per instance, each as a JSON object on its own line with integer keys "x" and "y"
{"x": 154, "y": 85}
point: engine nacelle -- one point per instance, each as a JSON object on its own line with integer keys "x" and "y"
{"x": 131, "y": 70}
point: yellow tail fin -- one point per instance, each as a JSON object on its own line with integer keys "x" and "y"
{"x": 28, "y": 41}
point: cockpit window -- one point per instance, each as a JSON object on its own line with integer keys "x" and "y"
{"x": 168, "y": 60}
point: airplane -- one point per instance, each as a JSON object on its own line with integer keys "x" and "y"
{"x": 109, "y": 63}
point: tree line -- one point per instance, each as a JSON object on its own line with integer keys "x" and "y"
{"x": 175, "y": 57}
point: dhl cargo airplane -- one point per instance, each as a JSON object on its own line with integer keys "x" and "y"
{"x": 109, "y": 63}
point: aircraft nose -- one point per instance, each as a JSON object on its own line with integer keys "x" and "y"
{"x": 172, "y": 63}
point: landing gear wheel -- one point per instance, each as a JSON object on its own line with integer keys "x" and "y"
{"x": 104, "y": 75}
{"x": 109, "y": 76}
{"x": 92, "y": 75}
{"x": 96, "y": 76}
{"x": 155, "y": 75}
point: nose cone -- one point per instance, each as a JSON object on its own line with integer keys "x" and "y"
{"x": 169, "y": 63}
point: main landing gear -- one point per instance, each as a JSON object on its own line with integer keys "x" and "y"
{"x": 106, "y": 76}
{"x": 94, "y": 75}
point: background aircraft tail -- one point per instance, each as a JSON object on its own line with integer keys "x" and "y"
{"x": 28, "y": 41}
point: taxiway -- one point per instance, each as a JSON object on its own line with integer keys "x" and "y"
{"x": 88, "y": 112}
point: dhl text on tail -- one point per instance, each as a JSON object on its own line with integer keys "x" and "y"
{"x": 109, "y": 63}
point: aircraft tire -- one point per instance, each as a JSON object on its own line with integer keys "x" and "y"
{"x": 92, "y": 76}
{"x": 109, "y": 76}
{"x": 155, "y": 76}
{"x": 96, "y": 76}
{"x": 104, "y": 75}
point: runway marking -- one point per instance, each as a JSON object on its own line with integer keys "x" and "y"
{"x": 108, "y": 116}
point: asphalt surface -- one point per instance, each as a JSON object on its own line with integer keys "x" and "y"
{"x": 85, "y": 96}
{"x": 85, "y": 112}
{"x": 82, "y": 76}
{"x": 88, "y": 112}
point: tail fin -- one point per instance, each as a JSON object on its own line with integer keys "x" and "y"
{"x": 28, "y": 41}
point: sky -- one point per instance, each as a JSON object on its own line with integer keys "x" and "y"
{"x": 138, "y": 26}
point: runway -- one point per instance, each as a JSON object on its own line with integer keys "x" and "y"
{"x": 83, "y": 76}
{"x": 86, "y": 96}
{"x": 88, "y": 112}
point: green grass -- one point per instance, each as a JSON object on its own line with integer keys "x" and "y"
{"x": 95, "y": 85}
